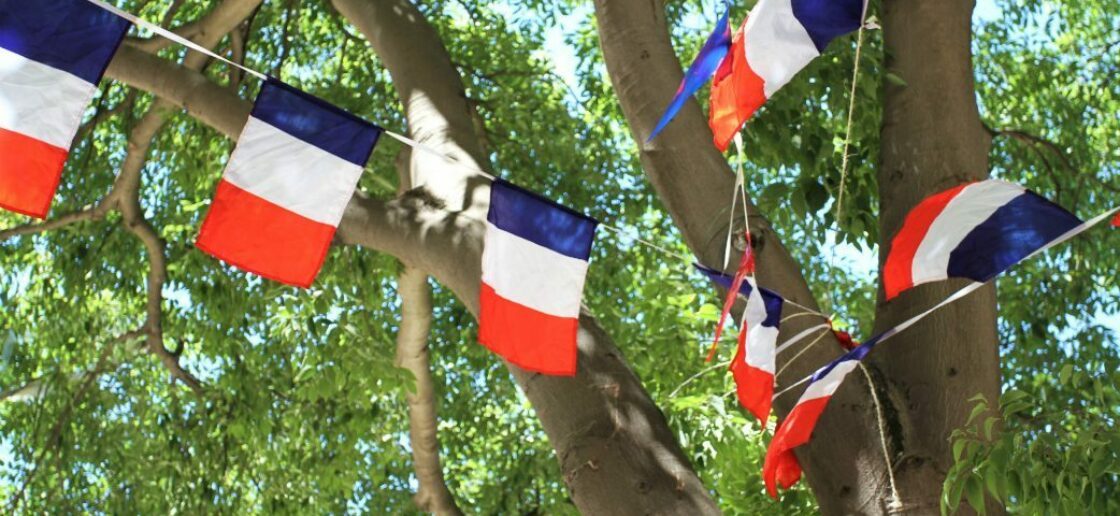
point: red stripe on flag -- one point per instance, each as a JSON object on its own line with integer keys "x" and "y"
{"x": 754, "y": 386}
{"x": 29, "y": 173}
{"x": 746, "y": 266}
{"x": 529, "y": 339}
{"x": 899, "y": 268}
{"x": 781, "y": 466}
{"x": 262, "y": 238}
{"x": 737, "y": 92}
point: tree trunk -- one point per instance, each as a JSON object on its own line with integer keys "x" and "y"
{"x": 845, "y": 465}
{"x": 932, "y": 139}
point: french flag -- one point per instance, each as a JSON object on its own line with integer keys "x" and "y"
{"x": 781, "y": 467}
{"x": 777, "y": 40}
{"x": 705, "y": 64}
{"x": 52, "y": 55}
{"x": 286, "y": 186}
{"x": 754, "y": 363}
{"x": 534, "y": 264}
{"x": 975, "y": 231}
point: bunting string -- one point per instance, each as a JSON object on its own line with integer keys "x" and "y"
{"x": 740, "y": 187}
{"x": 960, "y": 294}
{"x": 156, "y": 29}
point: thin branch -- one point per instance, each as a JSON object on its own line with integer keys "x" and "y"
{"x": 63, "y": 420}
{"x": 95, "y": 212}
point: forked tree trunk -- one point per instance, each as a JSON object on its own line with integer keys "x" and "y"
{"x": 932, "y": 139}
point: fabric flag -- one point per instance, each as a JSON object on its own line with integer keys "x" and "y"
{"x": 705, "y": 64}
{"x": 534, "y": 264}
{"x": 781, "y": 467}
{"x": 746, "y": 267}
{"x": 755, "y": 360}
{"x": 777, "y": 40}
{"x": 52, "y": 55}
{"x": 286, "y": 185}
{"x": 975, "y": 231}
{"x": 1116, "y": 221}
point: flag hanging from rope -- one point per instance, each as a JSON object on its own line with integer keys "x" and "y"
{"x": 52, "y": 55}
{"x": 534, "y": 264}
{"x": 702, "y": 68}
{"x": 755, "y": 359}
{"x": 781, "y": 467}
{"x": 287, "y": 185}
{"x": 777, "y": 40}
{"x": 734, "y": 286}
{"x": 974, "y": 231}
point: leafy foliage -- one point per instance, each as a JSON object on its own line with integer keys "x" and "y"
{"x": 304, "y": 410}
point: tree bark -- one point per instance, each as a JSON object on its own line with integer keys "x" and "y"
{"x": 412, "y": 354}
{"x": 616, "y": 451}
{"x": 932, "y": 139}
{"x": 845, "y": 466}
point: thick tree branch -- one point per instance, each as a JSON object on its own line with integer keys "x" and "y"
{"x": 688, "y": 172}
{"x": 602, "y": 423}
{"x": 412, "y": 354}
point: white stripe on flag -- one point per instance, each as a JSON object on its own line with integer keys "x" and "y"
{"x": 827, "y": 386}
{"x": 760, "y": 339}
{"x": 975, "y": 204}
{"x": 292, "y": 173}
{"x": 777, "y": 45}
{"x": 532, "y": 275}
{"x": 39, "y": 101}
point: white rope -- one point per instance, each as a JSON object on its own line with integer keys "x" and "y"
{"x": 173, "y": 37}
{"x": 800, "y": 337}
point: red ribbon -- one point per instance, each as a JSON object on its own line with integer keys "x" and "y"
{"x": 746, "y": 266}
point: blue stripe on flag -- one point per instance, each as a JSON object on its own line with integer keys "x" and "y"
{"x": 857, "y": 354}
{"x": 772, "y": 300}
{"x": 316, "y": 122}
{"x": 74, "y": 36}
{"x": 705, "y": 64}
{"x": 541, "y": 221}
{"x": 1012, "y": 233}
{"x": 826, "y": 20}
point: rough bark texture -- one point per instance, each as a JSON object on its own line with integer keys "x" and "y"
{"x": 932, "y": 139}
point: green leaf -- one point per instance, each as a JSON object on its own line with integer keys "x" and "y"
{"x": 974, "y": 491}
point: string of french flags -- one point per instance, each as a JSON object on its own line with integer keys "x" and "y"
{"x": 298, "y": 160}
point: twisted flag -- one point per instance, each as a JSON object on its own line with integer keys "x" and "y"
{"x": 534, "y": 264}
{"x": 781, "y": 467}
{"x": 754, "y": 363}
{"x": 746, "y": 267}
{"x": 52, "y": 55}
{"x": 286, "y": 185}
{"x": 705, "y": 64}
{"x": 777, "y": 40}
{"x": 975, "y": 231}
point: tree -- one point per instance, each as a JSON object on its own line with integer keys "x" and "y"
{"x": 295, "y": 401}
